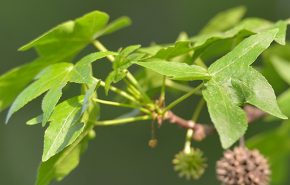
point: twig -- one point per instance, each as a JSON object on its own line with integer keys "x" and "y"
{"x": 201, "y": 131}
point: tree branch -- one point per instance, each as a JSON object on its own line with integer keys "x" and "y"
{"x": 201, "y": 131}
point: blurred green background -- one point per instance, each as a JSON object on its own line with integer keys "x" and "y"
{"x": 119, "y": 155}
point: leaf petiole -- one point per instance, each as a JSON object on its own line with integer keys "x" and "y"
{"x": 118, "y": 91}
{"x": 117, "y": 104}
{"x": 185, "y": 96}
{"x": 190, "y": 132}
{"x": 180, "y": 87}
{"x": 122, "y": 121}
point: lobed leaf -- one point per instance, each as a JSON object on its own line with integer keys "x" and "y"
{"x": 69, "y": 37}
{"x": 234, "y": 82}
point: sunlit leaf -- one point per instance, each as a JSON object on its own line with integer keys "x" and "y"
{"x": 65, "y": 126}
{"x": 234, "y": 83}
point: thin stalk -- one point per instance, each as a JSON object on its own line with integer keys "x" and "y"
{"x": 117, "y": 104}
{"x": 118, "y": 91}
{"x": 101, "y": 47}
{"x": 122, "y": 121}
{"x": 242, "y": 142}
{"x": 162, "y": 93}
{"x": 178, "y": 86}
{"x": 198, "y": 110}
{"x": 190, "y": 132}
{"x": 132, "y": 89}
{"x": 185, "y": 96}
{"x": 135, "y": 83}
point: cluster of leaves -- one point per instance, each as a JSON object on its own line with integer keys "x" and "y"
{"x": 226, "y": 85}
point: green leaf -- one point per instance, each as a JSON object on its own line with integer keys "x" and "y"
{"x": 282, "y": 67}
{"x": 64, "y": 128}
{"x": 60, "y": 44}
{"x": 35, "y": 120}
{"x": 224, "y": 20}
{"x": 234, "y": 83}
{"x": 69, "y": 37}
{"x": 254, "y": 89}
{"x": 61, "y": 164}
{"x": 281, "y": 35}
{"x": 244, "y": 54}
{"x": 228, "y": 118}
{"x": 54, "y": 75}
{"x": 175, "y": 70}
{"x": 246, "y": 27}
{"x": 50, "y": 100}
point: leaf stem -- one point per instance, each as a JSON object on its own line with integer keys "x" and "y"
{"x": 190, "y": 132}
{"x": 178, "y": 86}
{"x": 118, "y": 91}
{"x": 117, "y": 104}
{"x": 122, "y": 121}
{"x": 162, "y": 93}
{"x": 185, "y": 96}
{"x": 101, "y": 47}
{"x": 198, "y": 110}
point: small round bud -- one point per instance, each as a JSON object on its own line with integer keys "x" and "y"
{"x": 153, "y": 143}
{"x": 91, "y": 134}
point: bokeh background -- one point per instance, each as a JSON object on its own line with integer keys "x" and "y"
{"x": 119, "y": 155}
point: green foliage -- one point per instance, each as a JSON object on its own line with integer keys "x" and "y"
{"x": 245, "y": 85}
{"x": 227, "y": 84}
{"x": 60, "y": 44}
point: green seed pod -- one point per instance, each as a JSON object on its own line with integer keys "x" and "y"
{"x": 190, "y": 165}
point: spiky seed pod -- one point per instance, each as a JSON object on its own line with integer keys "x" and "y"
{"x": 190, "y": 165}
{"x": 242, "y": 166}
